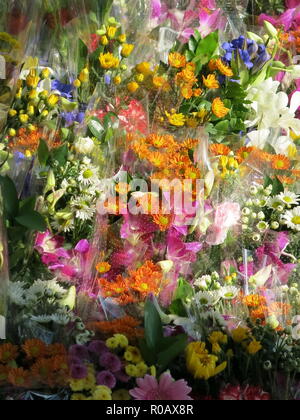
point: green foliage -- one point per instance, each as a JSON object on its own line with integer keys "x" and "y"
{"x": 276, "y": 184}
{"x": 156, "y": 349}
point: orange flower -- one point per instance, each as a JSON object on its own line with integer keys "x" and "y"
{"x": 264, "y": 156}
{"x": 164, "y": 221}
{"x": 212, "y": 65}
{"x": 159, "y": 142}
{"x": 34, "y": 348}
{"x": 42, "y": 371}
{"x": 111, "y": 289}
{"x": 60, "y": 363}
{"x": 178, "y": 161}
{"x": 197, "y": 92}
{"x": 29, "y": 140}
{"x": 160, "y": 82}
{"x": 177, "y": 60}
{"x": 103, "y": 267}
{"x": 219, "y": 109}
{"x": 128, "y": 326}
{"x": 147, "y": 279}
{"x": 260, "y": 313}
{"x": 18, "y": 377}
{"x": 219, "y": 149}
{"x": 187, "y": 91}
{"x": 296, "y": 173}
{"x": 8, "y": 353}
{"x": 211, "y": 82}
{"x": 281, "y": 163}
{"x": 253, "y": 301}
{"x": 223, "y": 68}
{"x": 243, "y": 153}
{"x": 189, "y": 144}
{"x": 186, "y": 76}
{"x": 192, "y": 173}
{"x": 56, "y": 349}
{"x": 157, "y": 159}
{"x": 285, "y": 180}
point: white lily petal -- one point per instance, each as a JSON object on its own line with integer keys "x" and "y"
{"x": 295, "y": 102}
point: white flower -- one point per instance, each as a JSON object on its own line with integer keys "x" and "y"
{"x": 207, "y": 298}
{"x": 203, "y": 282}
{"x": 262, "y": 226}
{"x": 88, "y": 175}
{"x": 84, "y": 145}
{"x": 258, "y": 138}
{"x": 61, "y": 318}
{"x": 229, "y": 292}
{"x": 274, "y": 203}
{"x": 16, "y": 293}
{"x": 56, "y": 288}
{"x": 62, "y": 225}
{"x": 36, "y": 291}
{"x": 289, "y": 198}
{"x": 291, "y": 219}
{"x": 41, "y": 319}
{"x": 83, "y": 208}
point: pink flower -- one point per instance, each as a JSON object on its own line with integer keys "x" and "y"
{"x": 248, "y": 393}
{"x": 231, "y": 393}
{"x": 166, "y": 389}
{"x": 291, "y": 4}
{"x": 227, "y": 215}
{"x": 210, "y": 22}
{"x": 47, "y": 243}
{"x": 253, "y": 393}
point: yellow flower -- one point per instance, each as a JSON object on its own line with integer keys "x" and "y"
{"x": 53, "y": 99}
{"x": 24, "y": 118}
{"x": 160, "y": 82}
{"x": 45, "y": 73}
{"x": 223, "y": 68}
{"x": 84, "y": 76}
{"x": 32, "y": 80}
{"x": 19, "y": 93}
{"x": 127, "y": 50}
{"x": 77, "y": 83}
{"x": 177, "y": 60}
{"x": 139, "y": 77}
{"x": 12, "y": 132}
{"x": 102, "y": 393}
{"x": 133, "y": 355}
{"x": 192, "y": 122}
{"x": 219, "y": 109}
{"x": 121, "y": 395}
{"x": 201, "y": 364}
{"x": 218, "y": 337}
{"x": 144, "y": 68}
{"x": 112, "y": 343}
{"x": 108, "y": 61}
{"x": 294, "y": 136}
{"x": 216, "y": 348}
{"x": 240, "y": 334}
{"x": 133, "y": 87}
{"x": 45, "y": 114}
{"x": 77, "y": 385}
{"x": 211, "y": 82}
{"x": 152, "y": 370}
{"x": 117, "y": 80}
{"x": 104, "y": 40}
{"x": 292, "y": 151}
{"x": 122, "y": 38}
{"x": 12, "y": 112}
{"x": 122, "y": 340}
{"x": 254, "y": 347}
{"x": 78, "y": 397}
{"x": 202, "y": 115}
{"x": 132, "y": 371}
{"x": 187, "y": 91}
{"x": 111, "y": 31}
{"x": 31, "y": 110}
{"x": 44, "y": 94}
{"x": 176, "y": 119}
{"x": 142, "y": 369}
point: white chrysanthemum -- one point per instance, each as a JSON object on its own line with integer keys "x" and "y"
{"x": 291, "y": 219}
{"x": 56, "y": 288}
{"x": 213, "y": 316}
{"x": 41, "y": 319}
{"x": 288, "y": 198}
{"x": 61, "y": 319}
{"x": 88, "y": 175}
{"x": 84, "y": 145}
{"x": 274, "y": 203}
{"x": 36, "y": 291}
{"x": 83, "y": 208}
{"x": 61, "y": 225}
{"x": 229, "y": 292}
{"x": 203, "y": 282}
{"x": 207, "y": 298}
{"x": 16, "y": 293}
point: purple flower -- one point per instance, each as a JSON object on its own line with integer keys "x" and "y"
{"x": 106, "y": 378}
{"x": 79, "y": 371}
{"x": 72, "y": 117}
{"x": 122, "y": 377}
{"x": 74, "y": 361}
{"x": 65, "y": 90}
{"x": 80, "y": 352}
{"x": 97, "y": 347}
{"x": 110, "y": 361}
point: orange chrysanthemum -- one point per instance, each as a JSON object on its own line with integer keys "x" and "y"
{"x": 223, "y": 68}
{"x": 159, "y": 142}
{"x": 211, "y": 82}
{"x": 56, "y": 349}
{"x": 8, "y": 353}
{"x": 177, "y": 60}
{"x": 128, "y": 326}
{"x": 42, "y": 371}
{"x": 219, "y": 150}
{"x": 18, "y": 377}
{"x": 186, "y": 76}
{"x": 212, "y": 65}
{"x": 178, "y": 160}
{"x": 160, "y": 82}
{"x": 285, "y": 180}
{"x": 189, "y": 144}
{"x": 281, "y": 163}
{"x": 34, "y": 348}
{"x": 147, "y": 279}
{"x": 243, "y": 153}
{"x": 296, "y": 173}
{"x": 219, "y": 109}
{"x": 254, "y": 301}
{"x": 60, "y": 363}
{"x": 115, "y": 288}
{"x": 197, "y": 92}
{"x": 187, "y": 91}
{"x": 29, "y": 140}
{"x": 192, "y": 173}
{"x": 164, "y": 221}
{"x": 260, "y": 313}
{"x": 103, "y": 267}
{"x": 157, "y": 159}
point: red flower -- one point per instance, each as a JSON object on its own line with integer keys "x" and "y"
{"x": 248, "y": 393}
{"x": 231, "y": 393}
{"x": 253, "y": 393}
{"x": 94, "y": 42}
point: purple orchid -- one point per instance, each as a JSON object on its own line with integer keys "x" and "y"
{"x": 290, "y": 19}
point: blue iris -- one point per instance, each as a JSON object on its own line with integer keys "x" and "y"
{"x": 65, "y": 90}
{"x": 72, "y": 117}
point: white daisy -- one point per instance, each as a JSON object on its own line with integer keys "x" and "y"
{"x": 82, "y": 208}
{"x": 56, "y": 288}
{"x": 291, "y": 219}
{"x": 203, "y": 282}
{"x": 229, "y": 292}
{"x": 288, "y": 198}
{"x": 207, "y": 298}
{"x": 61, "y": 225}
{"x": 16, "y": 293}
{"x": 37, "y": 290}
{"x": 89, "y": 175}
{"x": 274, "y": 203}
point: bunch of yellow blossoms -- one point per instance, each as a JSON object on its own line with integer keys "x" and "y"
{"x": 200, "y": 363}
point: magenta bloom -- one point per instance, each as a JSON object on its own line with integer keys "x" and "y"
{"x": 79, "y": 352}
{"x": 106, "y": 378}
{"x": 79, "y": 371}
{"x": 97, "y": 347}
{"x": 166, "y": 389}
{"x": 110, "y": 362}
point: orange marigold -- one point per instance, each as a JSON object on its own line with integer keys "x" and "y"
{"x": 147, "y": 279}
{"x": 223, "y": 68}
{"x": 103, "y": 267}
{"x": 187, "y": 91}
{"x": 159, "y": 142}
{"x": 219, "y": 149}
{"x": 285, "y": 180}
{"x": 211, "y": 82}
{"x": 164, "y": 221}
{"x": 192, "y": 173}
{"x": 281, "y": 163}
{"x": 177, "y": 60}
{"x": 8, "y": 353}
{"x": 18, "y": 377}
{"x": 157, "y": 159}
{"x": 212, "y": 65}
{"x": 219, "y": 109}
{"x": 34, "y": 348}
{"x": 42, "y": 371}
{"x": 189, "y": 144}
{"x": 253, "y": 301}
{"x": 243, "y": 153}
{"x": 128, "y": 326}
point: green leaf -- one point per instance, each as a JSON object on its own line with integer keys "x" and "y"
{"x": 83, "y": 55}
{"x": 277, "y": 187}
{"x": 189, "y": 55}
{"x": 207, "y": 47}
{"x": 166, "y": 357}
{"x": 96, "y": 128}
{"x": 223, "y": 126}
{"x": 10, "y": 196}
{"x": 61, "y": 154}
{"x": 177, "y": 308}
{"x": 184, "y": 290}
{"x": 32, "y": 220}
{"x": 193, "y": 44}
{"x": 27, "y": 205}
{"x": 268, "y": 181}
{"x": 43, "y": 153}
{"x": 153, "y": 326}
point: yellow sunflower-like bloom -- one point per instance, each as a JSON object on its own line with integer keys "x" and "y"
{"x": 176, "y": 119}
{"x": 201, "y": 364}
{"x": 219, "y": 109}
{"x": 108, "y": 61}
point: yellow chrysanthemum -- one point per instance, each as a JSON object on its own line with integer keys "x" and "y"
{"x": 211, "y": 82}
{"x": 240, "y": 334}
{"x": 177, "y": 60}
{"x": 176, "y": 119}
{"x": 109, "y": 61}
{"x": 219, "y": 109}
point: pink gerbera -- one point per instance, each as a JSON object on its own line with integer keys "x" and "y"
{"x": 166, "y": 389}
